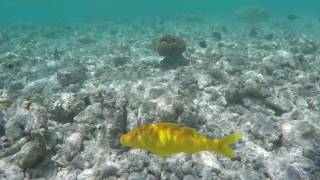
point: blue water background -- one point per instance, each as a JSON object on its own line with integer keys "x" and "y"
{"x": 66, "y": 10}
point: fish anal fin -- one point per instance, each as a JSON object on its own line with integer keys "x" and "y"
{"x": 159, "y": 153}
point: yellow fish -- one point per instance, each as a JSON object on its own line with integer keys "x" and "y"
{"x": 165, "y": 139}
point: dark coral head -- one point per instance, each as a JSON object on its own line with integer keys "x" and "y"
{"x": 171, "y": 46}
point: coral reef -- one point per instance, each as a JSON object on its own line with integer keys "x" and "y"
{"x": 69, "y": 91}
{"x": 171, "y": 47}
{"x": 71, "y": 75}
{"x": 64, "y": 107}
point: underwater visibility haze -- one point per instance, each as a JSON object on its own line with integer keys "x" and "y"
{"x": 160, "y": 89}
{"x": 53, "y": 10}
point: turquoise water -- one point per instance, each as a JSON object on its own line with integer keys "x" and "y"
{"x": 57, "y": 10}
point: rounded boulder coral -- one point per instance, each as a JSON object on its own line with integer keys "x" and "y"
{"x": 171, "y": 46}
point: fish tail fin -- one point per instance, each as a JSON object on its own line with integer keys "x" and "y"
{"x": 224, "y": 143}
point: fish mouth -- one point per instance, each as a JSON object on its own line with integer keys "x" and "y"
{"x": 123, "y": 140}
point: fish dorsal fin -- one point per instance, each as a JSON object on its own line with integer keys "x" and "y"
{"x": 175, "y": 125}
{"x": 168, "y": 125}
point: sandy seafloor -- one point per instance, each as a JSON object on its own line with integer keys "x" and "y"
{"x": 69, "y": 90}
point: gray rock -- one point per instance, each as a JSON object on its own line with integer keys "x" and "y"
{"x": 2, "y": 123}
{"x": 206, "y": 163}
{"x": 185, "y": 79}
{"x": 86, "y": 174}
{"x": 3, "y": 79}
{"x": 236, "y": 92}
{"x": 187, "y": 167}
{"x": 304, "y": 45}
{"x": 248, "y": 173}
{"x": 189, "y": 177}
{"x": 313, "y": 152}
{"x": 74, "y": 142}
{"x": 294, "y": 173}
{"x": 314, "y": 103}
{"x": 155, "y": 167}
{"x": 269, "y": 131}
{"x": 53, "y": 138}
{"x": 72, "y": 75}
{"x": 189, "y": 115}
{"x": 14, "y": 127}
{"x": 146, "y": 114}
{"x": 171, "y": 177}
{"x": 279, "y": 60}
{"x": 10, "y": 171}
{"x": 37, "y": 121}
{"x": 150, "y": 177}
{"x": 167, "y": 175}
{"x": 254, "y": 85}
{"x": 214, "y": 93}
{"x": 218, "y": 74}
{"x": 272, "y": 169}
{"x": 45, "y": 168}
{"x": 136, "y": 161}
{"x": 169, "y": 109}
{"x": 120, "y": 61}
{"x": 30, "y": 154}
{"x": 115, "y": 124}
{"x": 91, "y": 114}
{"x": 167, "y": 112}
{"x": 232, "y": 93}
{"x": 117, "y": 178}
{"x": 96, "y": 95}
{"x": 136, "y": 176}
{"x": 27, "y": 120}
{"x": 206, "y": 173}
{"x": 298, "y": 114}
{"x": 67, "y": 174}
{"x": 107, "y": 170}
{"x": 180, "y": 165}
{"x": 9, "y": 149}
{"x": 69, "y": 149}
{"x": 39, "y": 86}
{"x": 64, "y": 107}
{"x": 15, "y": 86}
{"x": 35, "y": 86}
{"x": 155, "y": 92}
{"x": 279, "y": 104}
{"x": 254, "y": 89}
{"x": 256, "y": 105}
{"x": 301, "y": 133}
{"x": 82, "y": 161}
